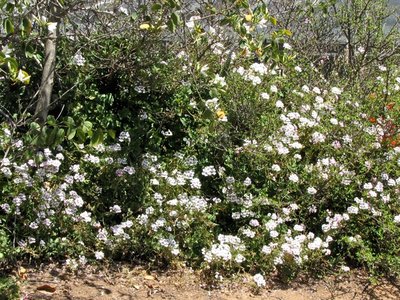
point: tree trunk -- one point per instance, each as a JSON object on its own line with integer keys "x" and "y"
{"x": 47, "y": 82}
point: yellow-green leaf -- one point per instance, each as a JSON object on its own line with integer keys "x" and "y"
{"x": 144, "y": 26}
{"x": 26, "y": 26}
{"x": 23, "y": 77}
{"x": 8, "y": 26}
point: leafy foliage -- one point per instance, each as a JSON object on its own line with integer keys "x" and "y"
{"x": 186, "y": 136}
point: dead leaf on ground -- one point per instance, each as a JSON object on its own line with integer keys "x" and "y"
{"x": 22, "y": 273}
{"x": 46, "y": 288}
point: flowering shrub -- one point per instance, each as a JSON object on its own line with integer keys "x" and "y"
{"x": 237, "y": 166}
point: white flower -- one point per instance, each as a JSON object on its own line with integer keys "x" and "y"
{"x": 254, "y": 79}
{"x": 382, "y": 68}
{"x": 254, "y": 223}
{"x": 259, "y": 280}
{"x": 273, "y": 89}
{"x": 129, "y": 170}
{"x": 336, "y": 90}
{"x": 211, "y": 30}
{"x": 294, "y": 178}
{"x": 209, "y": 171}
{"x": 190, "y": 23}
{"x": 317, "y": 137}
{"x": 316, "y": 90}
{"x": 265, "y": 96}
{"x": 240, "y": 71}
{"x": 99, "y": 255}
{"x": 123, "y": 10}
{"x": 274, "y": 233}
{"x": 116, "y": 209}
{"x": 219, "y": 80}
{"x": 259, "y": 68}
{"x": 79, "y": 60}
{"x": 204, "y": 69}
{"x": 298, "y": 69}
{"x": 368, "y": 186}
{"x": 247, "y": 181}
{"x": 397, "y": 219}
{"x": 287, "y": 46}
{"x": 305, "y": 89}
{"x": 333, "y": 121}
{"x": 143, "y": 115}
{"x": 266, "y": 250}
{"x": 240, "y": 258}
{"x": 166, "y": 133}
{"x": 316, "y": 244}
{"x": 361, "y": 50}
{"x": 222, "y": 251}
{"x": 345, "y": 268}
{"x": 52, "y": 26}
{"x": 279, "y": 104}
{"x": 86, "y": 216}
{"x": 124, "y": 136}
{"x": 352, "y": 210}
{"x": 347, "y": 139}
{"x": 212, "y": 104}
{"x": 195, "y": 183}
{"x": 311, "y": 190}
{"x": 276, "y": 168}
{"x": 298, "y": 227}
{"x": 23, "y": 77}
{"x": 230, "y": 180}
{"x": 7, "y": 51}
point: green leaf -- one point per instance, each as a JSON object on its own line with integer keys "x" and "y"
{"x": 287, "y": 32}
{"x": 173, "y": 3}
{"x": 97, "y": 137}
{"x": 35, "y": 127}
{"x": 12, "y": 65}
{"x": 8, "y": 26}
{"x": 51, "y": 137}
{"x": 171, "y": 25}
{"x": 175, "y": 18}
{"x": 214, "y": 92}
{"x": 156, "y": 7}
{"x": 51, "y": 120}
{"x": 29, "y": 51}
{"x": 173, "y": 22}
{"x": 2, "y": 3}
{"x": 10, "y": 7}
{"x": 111, "y": 133}
{"x": 26, "y": 26}
{"x": 71, "y": 132}
{"x": 70, "y": 122}
{"x": 87, "y": 126}
{"x": 42, "y": 138}
{"x": 134, "y": 16}
{"x": 60, "y": 133}
{"x": 60, "y": 136}
{"x": 81, "y": 135}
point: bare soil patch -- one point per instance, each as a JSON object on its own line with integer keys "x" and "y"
{"x": 125, "y": 282}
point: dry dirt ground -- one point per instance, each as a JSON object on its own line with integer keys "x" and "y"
{"x": 124, "y": 282}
